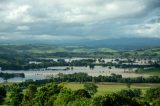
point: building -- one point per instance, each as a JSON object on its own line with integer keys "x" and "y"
{"x": 34, "y": 62}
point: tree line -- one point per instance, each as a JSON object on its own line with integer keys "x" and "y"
{"x": 24, "y": 64}
{"x": 84, "y": 78}
{"x": 52, "y": 94}
{"x": 7, "y": 76}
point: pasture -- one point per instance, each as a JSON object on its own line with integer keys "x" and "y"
{"x": 106, "y": 88}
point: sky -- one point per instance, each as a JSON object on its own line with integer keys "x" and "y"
{"x": 58, "y": 20}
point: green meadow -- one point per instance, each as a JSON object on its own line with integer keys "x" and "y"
{"x": 106, "y": 88}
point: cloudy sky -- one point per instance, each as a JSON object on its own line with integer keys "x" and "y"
{"x": 78, "y": 19}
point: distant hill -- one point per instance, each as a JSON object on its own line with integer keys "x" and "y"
{"x": 44, "y": 50}
{"x": 122, "y": 43}
{"x": 39, "y": 48}
{"x": 118, "y": 44}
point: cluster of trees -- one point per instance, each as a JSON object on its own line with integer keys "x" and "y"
{"x": 7, "y": 76}
{"x": 154, "y": 95}
{"x": 44, "y": 64}
{"x": 47, "y": 95}
{"x": 120, "y": 65}
{"x": 87, "y": 62}
{"x": 52, "y": 94}
{"x": 16, "y": 57}
{"x": 21, "y": 62}
{"x": 84, "y": 77}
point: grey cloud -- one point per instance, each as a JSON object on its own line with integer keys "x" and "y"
{"x": 78, "y": 19}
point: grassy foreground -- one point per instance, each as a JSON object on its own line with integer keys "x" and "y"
{"x": 105, "y": 88}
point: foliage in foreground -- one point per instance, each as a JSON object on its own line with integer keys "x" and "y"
{"x": 52, "y": 94}
{"x": 2, "y": 94}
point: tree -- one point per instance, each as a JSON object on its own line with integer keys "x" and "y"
{"x": 64, "y": 97}
{"x": 156, "y": 102}
{"x": 82, "y": 93}
{"x": 153, "y": 93}
{"x": 44, "y": 94}
{"x": 114, "y": 100}
{"x": 91, "y": 66}
{"x": 91, "y": 88}
{"x": 2, "y": 93}
{"x": 16, "y": 96}
{"x": 30, "y": 95}
{"x": 80, "y": 102}
{"x": 131, "y": 93}
{"x": 128, "y": 84}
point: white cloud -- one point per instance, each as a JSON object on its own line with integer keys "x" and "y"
{"x": 76, "y": 19}
{"x": 89, "y": 10}
{"x": 18, "y": 14}
{"x": 23, "y": 28}
{"x": 70, "y": 10}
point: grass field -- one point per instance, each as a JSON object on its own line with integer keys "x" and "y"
{"x": 154, "y": 73}
{"x": 151, "y": 72}
{"x": 106, "y": 88}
